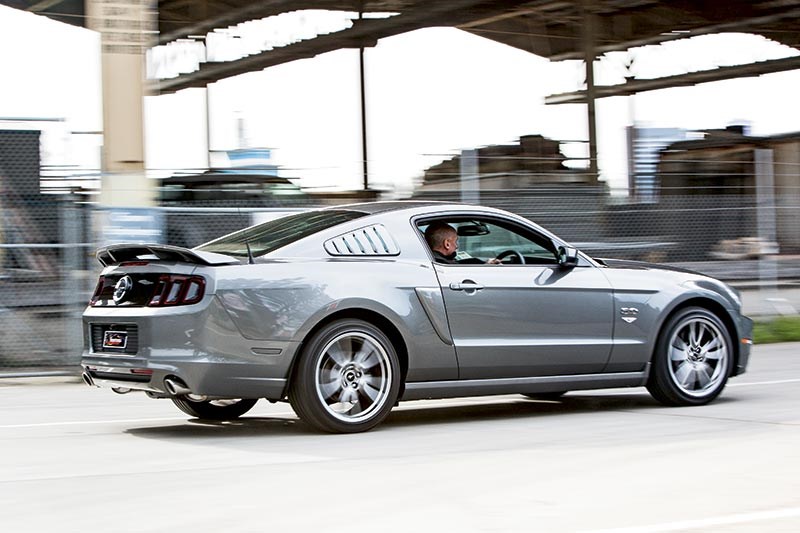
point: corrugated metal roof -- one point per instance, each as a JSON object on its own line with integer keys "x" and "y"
{"x": 548, "y": 28}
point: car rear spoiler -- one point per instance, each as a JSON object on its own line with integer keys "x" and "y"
{"x": 120, "y": 253}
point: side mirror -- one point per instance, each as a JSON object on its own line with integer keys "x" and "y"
{"x": 567, "y": 256}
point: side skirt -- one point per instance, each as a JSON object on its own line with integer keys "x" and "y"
{"x": 487, "y": 387}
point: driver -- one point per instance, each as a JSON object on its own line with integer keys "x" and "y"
{"x": 443, "y": 241}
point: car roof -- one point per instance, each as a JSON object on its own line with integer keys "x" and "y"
{"x": 373, "y": 208}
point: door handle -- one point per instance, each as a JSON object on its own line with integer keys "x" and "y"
{"x": 466, "y": 285}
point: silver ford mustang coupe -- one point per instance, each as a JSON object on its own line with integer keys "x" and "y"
{"x": 346, "y": 311}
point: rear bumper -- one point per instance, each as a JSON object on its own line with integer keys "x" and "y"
{"x": 198, "y": 344}
{"x": 212, "y": 379}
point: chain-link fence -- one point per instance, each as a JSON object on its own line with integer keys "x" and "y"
{"x": 705, "y": 231}
{"x": 43, "y": 281}
{"x": 48, "y": 271}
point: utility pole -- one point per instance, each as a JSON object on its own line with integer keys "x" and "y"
{"x": 589, "y": 16}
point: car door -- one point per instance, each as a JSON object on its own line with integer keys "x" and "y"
{"x": 533, "y": 319}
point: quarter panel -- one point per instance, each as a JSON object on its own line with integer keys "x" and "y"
{"x": 283, "y": 301}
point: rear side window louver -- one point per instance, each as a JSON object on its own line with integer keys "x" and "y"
{"x": 369, "y": 241}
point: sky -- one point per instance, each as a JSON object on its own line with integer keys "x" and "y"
{"x": 430, "y": 93}
{"x": 50, "y": 71}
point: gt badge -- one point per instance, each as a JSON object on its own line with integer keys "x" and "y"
{"x": 629, "y": 314}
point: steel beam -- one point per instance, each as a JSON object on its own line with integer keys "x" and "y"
{"x": 746, "y": 24}
{"x": 680, "y": 80}
{"x": 364, "y": 33}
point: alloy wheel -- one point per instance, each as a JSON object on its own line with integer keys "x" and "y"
{"x": 353, "y": 377}
{"x": 698, "y": 356}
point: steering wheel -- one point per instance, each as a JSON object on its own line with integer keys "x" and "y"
{"x": 511, "y": 253}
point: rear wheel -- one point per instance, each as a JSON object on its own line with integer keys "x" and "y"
{"x": 214, "y": 409}
{"x": 692, "y": 360}
{"x": 347, "y": 379}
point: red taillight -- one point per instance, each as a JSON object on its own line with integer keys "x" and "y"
{"x": 98, "y": 290}
{"x": 178, "y": 290}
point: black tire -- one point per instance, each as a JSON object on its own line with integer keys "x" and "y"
{"x": 549, "y": 396}
{"x": 215, "y": 409}
{"x": 693, "y": 359}
{"x": 347, "y": 378}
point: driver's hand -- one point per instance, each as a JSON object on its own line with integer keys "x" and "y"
{"x": 494, "y": 261}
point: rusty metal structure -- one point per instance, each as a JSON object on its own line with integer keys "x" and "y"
{"x": 557, "y": 30}
{"x": 554, "y": 29}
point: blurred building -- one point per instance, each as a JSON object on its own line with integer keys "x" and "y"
{"x": 533, "y": 162}
{"x": 725, "y": 166}
{"x": 644, "y": 147}
{"x": 531, "y": 178}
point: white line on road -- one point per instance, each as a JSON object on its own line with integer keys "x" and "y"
{"x": 624, "y": 392}
{"x": 421, "y": 404}
{"x": 776, "y": 382}
{"x": 82, "y": 422}
{"x": 702, "y": 523}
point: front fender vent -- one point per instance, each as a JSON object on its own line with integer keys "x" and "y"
{"x": 368, "y": 241}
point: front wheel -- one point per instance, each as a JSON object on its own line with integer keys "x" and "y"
{"x": 347, "y": 378}
{"x": 693, "y": 359}
{"x": 214, "y": 409}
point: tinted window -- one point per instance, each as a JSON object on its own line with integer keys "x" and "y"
{"x": 499, "y": 239}
{"x": 480, "y": 240}
{"x": 274, "y": 234}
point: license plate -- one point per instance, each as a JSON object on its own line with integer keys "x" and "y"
{"x": 115, "y": 339}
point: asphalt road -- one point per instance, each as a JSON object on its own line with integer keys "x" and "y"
{"x": 74, "y": 458}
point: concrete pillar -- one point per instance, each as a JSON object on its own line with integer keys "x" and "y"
{"x": 765, "y": 194}
{"x": 127, "y": 28}
{"x": 765, "y": 217}
{"x": 787, "y": 195}
{"x": 470, "y": 177}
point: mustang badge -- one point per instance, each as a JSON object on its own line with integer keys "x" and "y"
{"x": 122, "y": 288}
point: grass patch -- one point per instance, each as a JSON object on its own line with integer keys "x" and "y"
{"x": 781, "y": 329}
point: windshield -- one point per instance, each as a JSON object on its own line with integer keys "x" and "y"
{"x": 274, "y": 234}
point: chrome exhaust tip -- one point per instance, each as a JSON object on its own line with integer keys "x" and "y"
{"x": 176, "y": 387}
{"x": 121, "y": 390}
{"x": 197, "y": 397}
{"x": 88, "y": 379}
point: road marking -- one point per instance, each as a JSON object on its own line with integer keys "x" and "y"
{"x": 121, "y": 421}
{"x": 776, "y": 382}
{"x": 706, "y": 522}
{"x": 416, "y": 404}
{"x": 410, "y": 405}
{"x": 623, "y": 392}
{"x": 82, "y": 422}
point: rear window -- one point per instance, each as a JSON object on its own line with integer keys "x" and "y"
{"x": 274, "y": 234}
